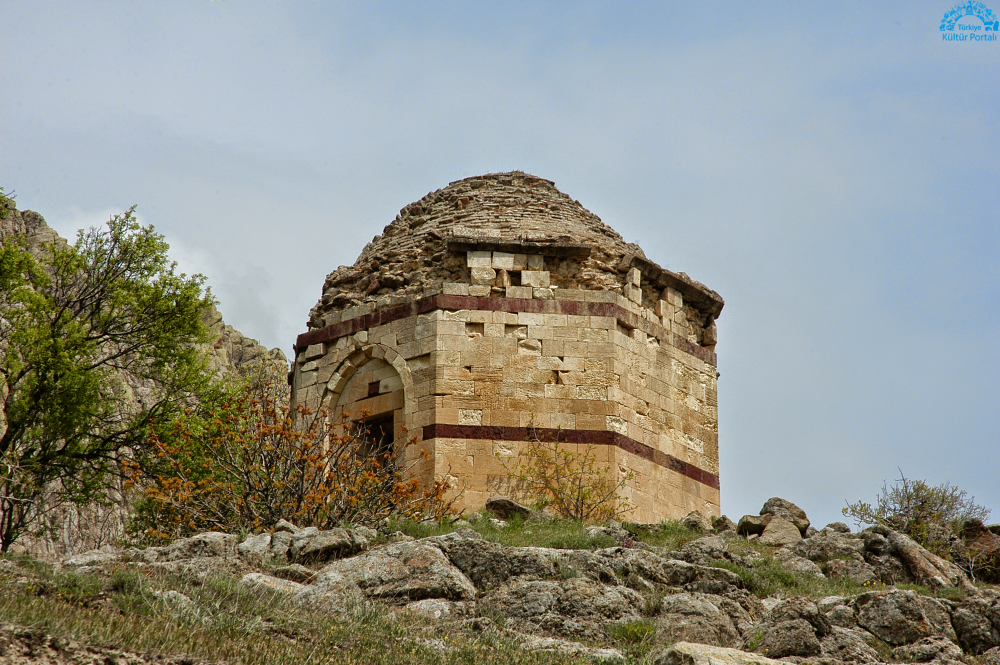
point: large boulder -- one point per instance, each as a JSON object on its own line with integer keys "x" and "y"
{"x": 704, "y": 550}
{"x": 697, "y": 522}
{"x": 312, "y": 545}
{"x": 92, "y": 558}
{"x": 851, "y": 569}
{"x": 780, "y": 532}
{"x": 488, "y": 564}
{"x": 752, "y": 525}
{"x": 208, "y": 544}
{"x": 686, "y": 653}
{"x": 977, "y": 623}
{"x": 927, "y": 568}
{"x": 332, "y": 592}
{"x": 849, "y": 645}
{"x": 260, "y": 581}
{"x": 787, "y": 511}
{"x": 830, "y": 544}
{"x": 669, "y": 572}
{"x": 695, "y": 617}
{"x": 506, "y": 508}
{"x": 799, "y": 565}
{"x": 928, "y": 649}
{"x": 902, "y": 617}
{"x": 789, "y": 638}
{"x": 398, "y": 571}
{"x": 576, "y": 606}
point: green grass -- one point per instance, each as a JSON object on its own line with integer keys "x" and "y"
{"x": 555, "y": 533}
{"x": 767, "y": 578}
{"x": 228, "y": 623}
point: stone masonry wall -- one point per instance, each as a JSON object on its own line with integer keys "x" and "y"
{"x": 512, "y": 344}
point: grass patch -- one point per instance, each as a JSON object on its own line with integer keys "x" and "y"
{"x": 766, "y": 578}
{"x": 129, "y": 610}
{"x": 635, "y": 638}
{"x": 669, "y": 534}
{"x": 554, "y": 533}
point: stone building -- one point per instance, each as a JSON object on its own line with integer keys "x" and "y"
{"x": 498, "y": 309}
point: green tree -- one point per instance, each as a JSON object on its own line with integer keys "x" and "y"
{"x": 932, "y": 516}
{"x": 97, "y": 339}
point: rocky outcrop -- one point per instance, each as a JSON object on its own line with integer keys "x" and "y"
{"x": 555, "y": 597}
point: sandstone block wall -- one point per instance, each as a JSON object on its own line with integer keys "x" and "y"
{"x": 509, "y": 348}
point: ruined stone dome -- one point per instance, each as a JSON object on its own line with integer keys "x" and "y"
{"x": 423, "y": 247}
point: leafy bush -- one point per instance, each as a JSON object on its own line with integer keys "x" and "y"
{"x": 250, "y": 461}
{"x": 84, "y": 330}
{"x": 568, "y": 479}
{"x": 932, "y": 516}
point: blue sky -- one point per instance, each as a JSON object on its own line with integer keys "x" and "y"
{"x": 831, "y": 170}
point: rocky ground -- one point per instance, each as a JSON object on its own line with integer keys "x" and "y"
{"x": 770, "y": 587}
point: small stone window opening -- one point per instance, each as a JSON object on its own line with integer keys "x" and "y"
{"x": 373, "y": 388}
{"x": 375, "y": 437}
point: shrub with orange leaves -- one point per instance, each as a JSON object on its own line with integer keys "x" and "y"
{"x": 250, "y": 461}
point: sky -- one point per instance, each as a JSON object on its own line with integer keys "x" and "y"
{"x": 831, "y": 169}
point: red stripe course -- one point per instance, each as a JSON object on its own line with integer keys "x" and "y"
{"x": 455, "y": 303}
{"x": 595, "y": 437}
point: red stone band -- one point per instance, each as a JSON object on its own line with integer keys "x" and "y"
{"x": 454, "y": 303}
{"x": 585, "y": 436}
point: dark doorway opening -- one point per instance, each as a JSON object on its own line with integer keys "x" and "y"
{"x": 376, "y": 438}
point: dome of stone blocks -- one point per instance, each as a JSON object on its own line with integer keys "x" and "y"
{"x": 498, "y": 308}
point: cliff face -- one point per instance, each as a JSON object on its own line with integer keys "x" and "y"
{"x": 229, "y": 350}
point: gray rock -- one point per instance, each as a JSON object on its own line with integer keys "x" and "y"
{"x": 208, "y": 544}
{"x": 705, "y": 550}
{"x": 694, "y": 617}
{"x": 259, "y": 581}
{"x": 723, "y": 524}
{"x": 787, "y": 511}
{"x": 412, "y": 571}
{"x": 849, "y": 645}
{"x": 311, "y": 544}
{"x": 255, "y": 548}
{"x": 752, "y": 525}
{"x": 976, "y": 622}
{"x": 827, "y": 603}
{"x": 295, "y": 572}
{"x": 780, "y": 532}
{"x": 505, "y": 508}
{"x": 799, "y": 608}
{"x": 838, "y": 526}
{"x": 441, "y": 610}
{"x": 829, "y": 544}
{"x": 697, "y": 522}
{"x": 859, "y": 571}
{"x": 895, "y": 617}
{"x": 926, "y": 650}
{"x": 92, "y": 558}
{"x": 330, "y": 592}
{"x": 577, "y": 606}
{"x": 281, "y": 543}
{"x": 685, "y": 653}
{"x": 488, "y": 564}
{"x": 927, "y": 568}
{"x": 789, "y": 638}
{"x": 285, "y": 526}
{"x": 842, "y": 616}
{"x": 602, "y": 655}
{"x": 669, "y": 572}
{"x": 800, "y": 565}
{"x": 992, "y": 656}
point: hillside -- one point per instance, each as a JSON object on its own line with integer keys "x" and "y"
{"x": 513, "y": 590}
